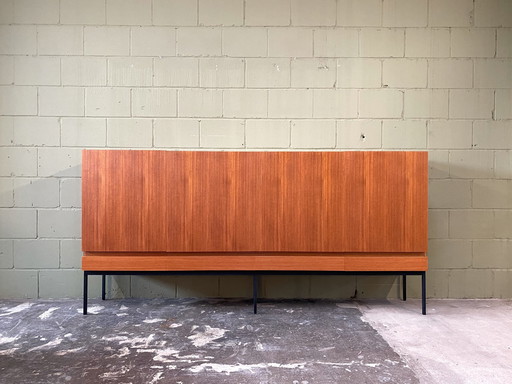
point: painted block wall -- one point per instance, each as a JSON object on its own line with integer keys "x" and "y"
{"x": 339, "y": 75}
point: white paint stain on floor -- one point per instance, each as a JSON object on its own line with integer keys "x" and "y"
{"x": 233, "y": 368}
{"x": 95, "y": 309}
{"x": 7, "y": 340}
{"x": 48, "y": 313}
{"x": 17, "y": 309}
{"x": 152, "y": 321}
{"x": 49, "y": 344}
{"x": 200, "y": 339}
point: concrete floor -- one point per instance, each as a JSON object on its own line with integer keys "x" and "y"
{"x": 298, "y": 342}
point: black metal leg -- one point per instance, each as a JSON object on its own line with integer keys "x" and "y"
{"x": 423, "y": 293}
{"x": 255, "y": 293}
{"x": 404, "y": 287}
{"x": 86, "y": 281}
{"x": 103, "y": 278}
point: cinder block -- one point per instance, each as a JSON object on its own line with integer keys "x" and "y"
{"x": 447, "y": 193}
{"x": 6, "y": 130}
{"x": 492, "y": 194}
{"x": 235, "y": 286}
{"x": 6, "y": 193}
{"x": 267, "y": 133}
{"x": 83, "y": 132}
{"x": 71, "y": 254}
{"x": 221, "y": 12}
{"x": 470, "y": 284}
{"x": 17, "y": 223}
{"x": 359, "y": 13}
{"x": 493, "y": 73}
{"x": 18, "y": 100}
{"x": 222, "y": 133}
{"x": 33, "y": 70}
{"x": 450, "y": 73}
{"x": 36, "y": 12}
{"x": 6, "y": 70}
{"x": 449, "y": 134}
{"x": 359, "y": 134}
{"x": 71, "y": 193}
{"x": 60, "y": 162}
{"x": 61, "y": 101}
{"x": 471, "y": 104}
{"x": 32, "y": 254}
{"x": 338, "y": 42}
{"x": 359, "y": 73}
{"x": 107, "y": 41}
{"x": 18, "y": 162}
{"x": 404, "y": 134}
{"x": 197, "y": 286}
{"x": 7, "y": 12}
{"x": 404, "y": 13}
{"x": 313, "y": 134}
{"x": 154, "y": 102}
{"x": 57, "y": 223}
{"x": 449, "y": 254}
{"x": 244, "y": 42}
{"x": 60, "y": 40}
{"x": 492, "y": 134}
{"x": 492, "y": 254}
{"x": 503, "y": 164}
{"x": 285, "y": 287}
{"x": 438, "y": 164}
{"x": 40, "y": 193}
{"x": 174, "y": 12}
{"x": 340, "y": 103}
{"x": 438, "y": 224}
{"x": 323, "y": 13}
{"x": 128, "y": 12}
{"x": 107, "y": 102}
{"x": 380, "y": 103}
{"x": 245, "y": 103}
{"x": 129, "y": 133}
{"x": 503, "y": 224}
{"x": 221, "y": 73}
{"x": 84, "y": 71}
{"x": 267, "y": 12}
{"x": 473, "y": 42}
{"x": 79, "y": 12}
{"x": 66, "y": 283}
{"x": 437, "y": 283}
{"x": 176, "y": 72}
{"x": 18, "y": 40}
{"x": 471, "y": 164}
{"x": 493, "y": 13}
{"x": 198, "y": 42}
{"x": 471, "y": 224}
{"x": 40, "y": 131}
{"x": 153, "y": 41}
{"x": 313, "y": 73}
{"x": 404, "y": 73}
{"x": 16, "y": 284}
{"x": 199, "y": 103}
{"x": 502, "y": 288}
{"x": 428, "y": 42}
{"x": 290, "y": 42}
{"x": 176, "y": 133}
{"x": 332, "y": 287}
{"x": 381, "y": 42}
{"x": 426, "y": 103}
{"x": 290, "y": 103}
{"x": 130, "y": 71}
{"x": 453, "y": 13}
{"x": 6, "y": 255}
{"x": 153, "y": 286}
{"x": 268, "y": 73}
{"x": 504, "y": 42}
{"x": 378, "y": 287}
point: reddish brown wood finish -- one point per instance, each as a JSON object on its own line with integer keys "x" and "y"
{"x": 273, "y": 202}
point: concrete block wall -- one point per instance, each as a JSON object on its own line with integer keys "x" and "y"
{"x": 430, "y": 75}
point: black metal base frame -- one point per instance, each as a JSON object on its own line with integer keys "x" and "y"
{"x": 255, "y": 276}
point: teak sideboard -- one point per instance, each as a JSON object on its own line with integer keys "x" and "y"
{"x": 157, "y": 212}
